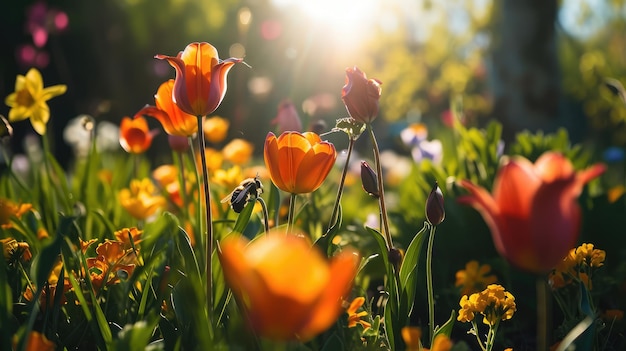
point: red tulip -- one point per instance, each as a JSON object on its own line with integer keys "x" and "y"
{"x": 361, "y": 95}
{"x": 200, "y": 83}
{"x": 533, "y": 212}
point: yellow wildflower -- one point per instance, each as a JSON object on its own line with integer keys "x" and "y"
{"x": 228, "y": 178}
{"x": 475, "y": 277}
{"x": 586, "y": 254}
{"x": 494, "y": 303}
{"x": 215, "y": 129}
{"x": 354, "y": 317}
{"x": 29, "y": 100}
{"x": 214, "y": 159}
{"x": 12, "y": 250}
{"x": 139, "y": 200}
{"x": 238, "y": 151}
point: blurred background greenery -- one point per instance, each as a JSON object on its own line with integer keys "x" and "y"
{"x": 534, "y": 65}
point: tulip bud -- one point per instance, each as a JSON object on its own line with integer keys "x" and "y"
{"x": 178, "y": 143}
{"x": 369, "y": 180}
{"x": 396, "y": 256}
{"x": 435, "y": 213}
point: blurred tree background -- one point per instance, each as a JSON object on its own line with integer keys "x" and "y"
{"x": 534, "y": 65}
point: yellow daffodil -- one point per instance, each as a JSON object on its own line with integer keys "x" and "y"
{"x": 30, "y": 100}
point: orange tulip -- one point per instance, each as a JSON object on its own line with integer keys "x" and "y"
{"x": 287, "y": 288}
{"x": 298, "y": 162}
{"x": 533, "y": 212}
{"x": 174, "y": 120}
{"x": 200, "y": 83}
{"x": 361, "y": 95}
{"x": 135, "y": 137}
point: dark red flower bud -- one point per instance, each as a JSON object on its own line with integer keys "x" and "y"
{"x": 361, "y": 95}
{"x": 435, "y": 213}
{"x": 178, "y": 143}
{"x": 369, "y": 180}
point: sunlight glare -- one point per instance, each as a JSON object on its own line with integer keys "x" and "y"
{"x": 350, "y": 22}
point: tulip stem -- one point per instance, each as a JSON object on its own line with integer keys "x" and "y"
{"x": 333, "y": 216}
{"x": 381, "y": 192}
{"x": 209, "y": 224}
{"x": 291, "y": 215}
{"x": 429, "y": 283}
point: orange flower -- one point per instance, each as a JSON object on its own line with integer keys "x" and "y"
{"x": 533, "y": 213}
{"x": 125, "y": 235}
{"x": 361, "y": 95}
{"x": 215, "y": 129}
{"x": 172, "y": 118}
{"x": 135, "y": 137}
{"x": 38, "y": 342}
{"x": 238, "y": 151}
{"x": 354, "y": 317}
{"x": 412, "y": 336}
{"x": 286, "y": 287}
{"x": 298, "y": 162}
{"x": 200, "y": 83}
{"x": 8, "y": 209}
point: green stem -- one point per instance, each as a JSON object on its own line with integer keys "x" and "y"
{"x": 291, "y": 215}
{"x": 429, "y": 284}
{"x": 381, "y": 192}
{"x": 179, "y": 157}
{"x": 543, "y": 314}
{"x": 266, "y": 216}
{"x": 480, "y": 342}
{"x": 333, "y": 216}
{"x": 209, "y": 223}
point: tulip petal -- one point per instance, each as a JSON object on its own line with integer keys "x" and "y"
{"x": 272, "y": 162}
{"x": 481, "y": 200}
{"x": 342, "y": 271}
{"x": 551, "y": 166}
{"x": 315, "y": 167}
{"x": 554, "y": 228}
{"x": 515, "y": 186}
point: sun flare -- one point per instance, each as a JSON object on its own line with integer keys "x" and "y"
{"x": 348, "y": 21}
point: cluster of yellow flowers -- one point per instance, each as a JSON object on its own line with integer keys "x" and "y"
{"x": 577, "y": 266}
{"x": 494, "y": 303}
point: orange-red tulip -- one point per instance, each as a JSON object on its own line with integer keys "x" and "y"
{"x": 533, "y": 212}
{"x": 174, "y": 120}
{"x": 135, "y": 137}
{"x": 286, "y": 286}
{"x": 361, "y": 95}
{"x": 200, "y": 83}
{"x": 298, "y": 162}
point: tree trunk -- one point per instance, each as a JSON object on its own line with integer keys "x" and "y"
{"x": 525, "y": 71}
